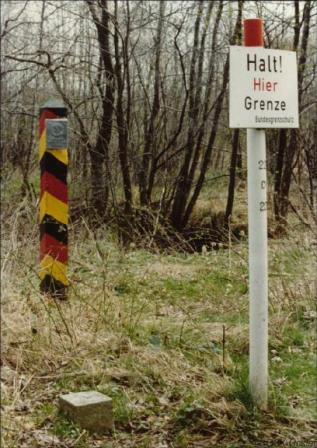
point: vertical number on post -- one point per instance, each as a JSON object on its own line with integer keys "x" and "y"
{"x": 262, "y": 164}
{"x": 263, "y": 206}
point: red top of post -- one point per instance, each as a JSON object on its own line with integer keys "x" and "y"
{"x": 253, "y": 33}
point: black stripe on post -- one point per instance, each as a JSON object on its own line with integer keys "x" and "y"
{"x": 53, "y": 166}
{"x": 52, "y": 286}
{"x": 54, "y": 228}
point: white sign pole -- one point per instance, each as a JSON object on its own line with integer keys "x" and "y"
{"x": 258, "y": 266}
{"x": 263, "y": 94}
{"x": 257, "y": 231}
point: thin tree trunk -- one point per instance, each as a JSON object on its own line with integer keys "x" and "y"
{"x": 150, "y": 136}
{"x": 282, "y": 142}
{"x": 122, "y": 123}
{"x": 292, "y": 145}
{"x": 100, "y": 153}
{"x": 183, "y": 186}
{"x": 234, "y": 159}
{"x": 232, "y": 179}
{"x": 218, "y": 108}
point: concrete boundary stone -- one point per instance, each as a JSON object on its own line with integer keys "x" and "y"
{"x": 91, "y": 410}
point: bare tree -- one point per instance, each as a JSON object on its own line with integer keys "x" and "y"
{"x": 288, "y": 146}
{"x": 100, "y": 152}
{"x": 146, "y": 88}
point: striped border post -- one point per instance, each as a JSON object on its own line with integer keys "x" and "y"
{"x": 53, "y": 209}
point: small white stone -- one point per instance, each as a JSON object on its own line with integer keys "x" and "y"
{"x": 276, "y": 359}
{"x": 204, "y": 250}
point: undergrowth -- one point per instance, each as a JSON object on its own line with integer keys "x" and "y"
{"x": 164, "y": 333}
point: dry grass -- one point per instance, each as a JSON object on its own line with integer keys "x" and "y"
{"x": 147, "y": 329}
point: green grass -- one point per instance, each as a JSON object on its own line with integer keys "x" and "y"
{"x": 147, "y": 328}
{"x": 295, "y": 378}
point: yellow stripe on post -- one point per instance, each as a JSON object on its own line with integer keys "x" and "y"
{"x": 54, "y": 268}
{"x": 49, "y": 205}
{"x": 42, "y": 144}
{"x": 59, "y": 154}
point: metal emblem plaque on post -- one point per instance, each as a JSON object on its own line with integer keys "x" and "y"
{"x": 56, "y": 134}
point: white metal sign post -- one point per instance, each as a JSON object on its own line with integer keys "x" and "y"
{"x": 263, "y": 94}
{"x": 258, "y": 266}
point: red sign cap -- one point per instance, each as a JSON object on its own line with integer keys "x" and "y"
{"x": 253, "y": 33}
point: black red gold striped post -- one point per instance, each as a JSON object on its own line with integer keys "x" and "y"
{"x": 53, "y": 209}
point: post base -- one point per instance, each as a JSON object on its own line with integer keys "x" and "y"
{"x": 49, "y": 285}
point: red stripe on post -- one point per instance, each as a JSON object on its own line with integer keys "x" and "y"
{"x": 50, "y": 246}
{"x": 44, "y": 116}
{"x": 54, "y": 186}
{"x": 253, "y": 33}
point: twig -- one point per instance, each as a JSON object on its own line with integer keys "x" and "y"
{"x": 157, "y": 217}
{"x": 62, "y": 375}
{"x": 230, "y": 242}
{"x": 223, "y": 348}
{"x": 298, "y": 215}
{"x": 74, "y": 443}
